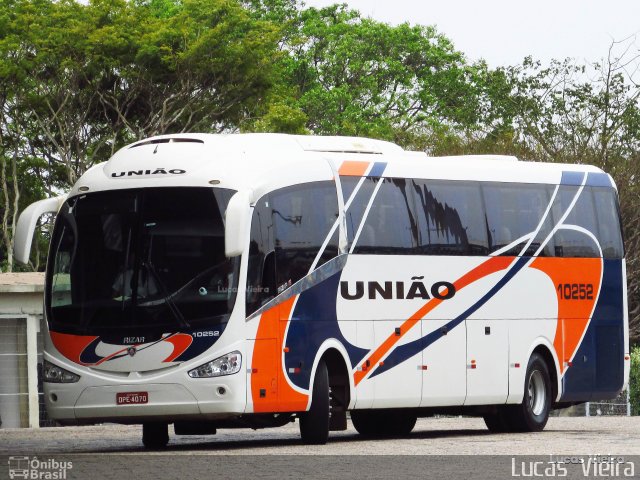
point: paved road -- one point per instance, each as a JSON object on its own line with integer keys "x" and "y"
{"x": 452, "y": 436}
{"x": 272, "y": 453}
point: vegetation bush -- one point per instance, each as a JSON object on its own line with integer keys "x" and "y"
{"x": 634, "y": 381}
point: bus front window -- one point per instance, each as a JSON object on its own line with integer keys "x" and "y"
{"x": 141, "y": 260}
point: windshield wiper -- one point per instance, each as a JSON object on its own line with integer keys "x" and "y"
{"x": 167, "y": 297}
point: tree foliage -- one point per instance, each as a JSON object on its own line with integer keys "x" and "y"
{"x": 357, "y": 76}
{"x": 77, "y": 81}
{"x": 634, "y": 381}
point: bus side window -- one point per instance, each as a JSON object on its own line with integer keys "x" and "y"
{"x": 303, "y": 216}
{"x": 572, "y": 243}
{"x": 391, "y": 225}
{"x": 359, "y": 202}
{"x": 268, "y": 282}
{"x": 520, "y": 208}
{"x": 261, "y": 263}
{"x": 451, "y": 218}
{"x": 349, "y": 185}
{"x": 609, "y": 231}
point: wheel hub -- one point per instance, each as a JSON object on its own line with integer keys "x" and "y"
{"x": 537, "y": 392}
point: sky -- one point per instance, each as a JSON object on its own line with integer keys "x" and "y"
{"x": 503, "y": 32}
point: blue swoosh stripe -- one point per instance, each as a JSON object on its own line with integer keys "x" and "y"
{"x": 408, "y": 350}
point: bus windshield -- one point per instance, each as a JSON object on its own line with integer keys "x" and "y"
{"x": 144, "y": 260}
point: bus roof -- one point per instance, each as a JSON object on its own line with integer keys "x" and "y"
{"x": 264, "y": 161}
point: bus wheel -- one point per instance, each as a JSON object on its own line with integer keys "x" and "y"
{"x": 532, "y": 414}
{"x": 365, "y": 423}
{"x": 399, "y": 423}
{"x": 155, "y": 435}
{"x": 387, "y": 423}
{"x": 498, "y": 422}
{"x": 314, "y": 424}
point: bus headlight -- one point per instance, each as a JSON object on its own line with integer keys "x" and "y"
{"x": 55, "y": 374}
{"x": 225, "y": 365}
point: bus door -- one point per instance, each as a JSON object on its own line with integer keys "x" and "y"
{"x": 444, "y": 370}
{"x": 388, "y": 374}
{"x": 397, "y": 376}
{"x": 487, "y": 361}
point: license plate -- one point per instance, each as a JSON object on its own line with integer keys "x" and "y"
{"x": 132, "y": 398}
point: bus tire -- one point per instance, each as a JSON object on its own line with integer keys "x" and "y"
{"x": 371, "y": 423}
{"x": 399, "y": 423}
{"x": 155, "y": 435}
{"x": 532, "y": 414}
{"x": 314, "y": 424}
{"x": 365, "y": 423}
{"x": 498, "y": 422}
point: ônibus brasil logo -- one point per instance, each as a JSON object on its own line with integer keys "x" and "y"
{"x": 35, "y": 468}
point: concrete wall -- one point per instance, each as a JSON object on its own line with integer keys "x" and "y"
{"x": 21, "y": 300}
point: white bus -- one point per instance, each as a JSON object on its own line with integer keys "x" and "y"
{"x": 223, "y": 281}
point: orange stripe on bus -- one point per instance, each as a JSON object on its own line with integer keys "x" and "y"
{"x": 269, "y": 377}
{"x": 180, "y": 342}
{"x": 492, "y": 265}
{"x": 71, "y": 346}
{"x": 353, "y": 168}
{"x": 573, "y": 313}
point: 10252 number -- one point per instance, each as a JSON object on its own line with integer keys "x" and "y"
{"x": 575, "y": 291}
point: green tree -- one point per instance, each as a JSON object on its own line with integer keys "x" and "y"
{"x": 634, "y": 381}
{"x": 354, "y": 76}
{"x": 77, "y": 81}
{"x": 204, "y": 67}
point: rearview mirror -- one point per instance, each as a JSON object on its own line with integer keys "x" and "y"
{"x": 27, "y": 225}
{"x": 237, "y": 220}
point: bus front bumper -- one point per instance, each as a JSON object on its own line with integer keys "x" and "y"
{"x": 141, "y": 403}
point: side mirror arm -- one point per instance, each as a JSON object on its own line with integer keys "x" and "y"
{"x": 237, "y": 224}
{"x": 26, "y": 225}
